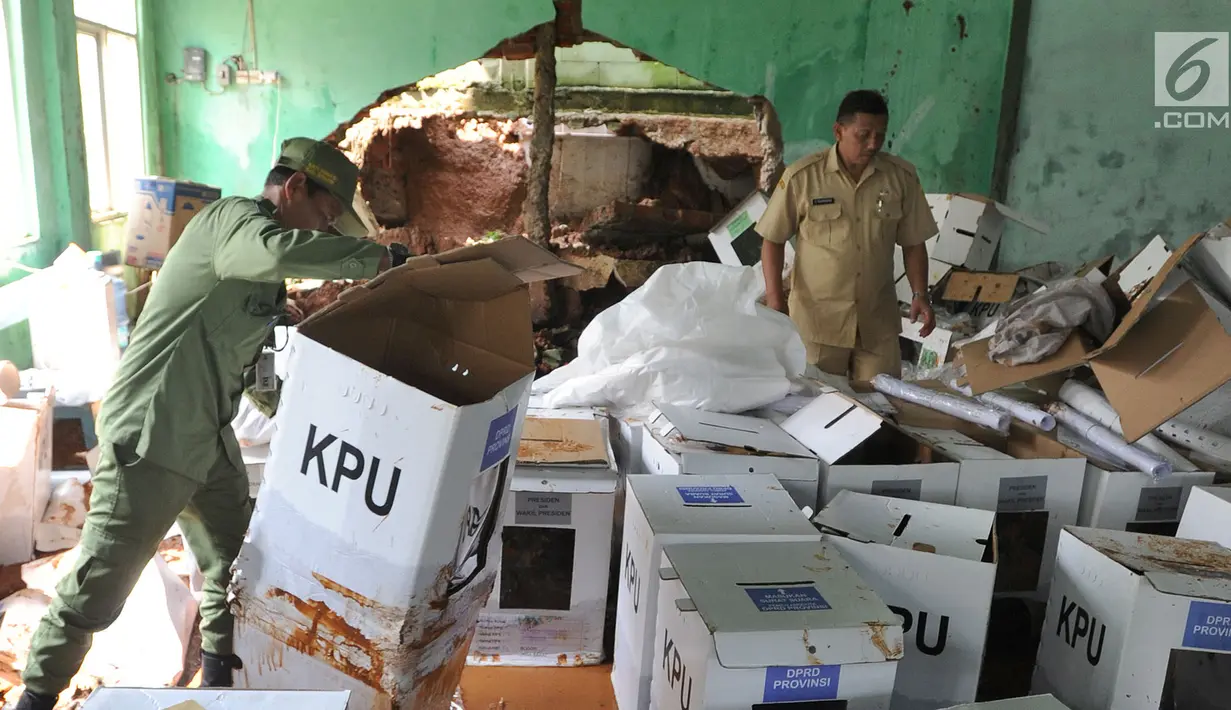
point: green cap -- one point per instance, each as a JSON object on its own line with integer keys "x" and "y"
{"x": 328, "y": 167}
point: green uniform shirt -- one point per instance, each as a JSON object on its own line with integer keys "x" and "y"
{"x": 222, "y": 286}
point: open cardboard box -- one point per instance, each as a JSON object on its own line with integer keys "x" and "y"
{"x": 365, "y": 565}
{"x": 984, "y": 296}
{"x": 1168, "y": 352}
{"x": 1035, "y": 490}
{"x": 909, "y": 553}
{"x": 970, "y": 230}
{"x": 861, "y": 451}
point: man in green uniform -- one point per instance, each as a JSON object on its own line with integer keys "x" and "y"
{"x": 167, "y": 449}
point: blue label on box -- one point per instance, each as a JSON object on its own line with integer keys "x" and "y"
{"x": 784, "y": 684}
{"x": 788, "y": 599}
{"x": 709, "y": 495}
{"x": 499, "y": 439}
{"x": 1209, "y": 626}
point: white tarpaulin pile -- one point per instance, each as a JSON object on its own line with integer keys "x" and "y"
{"x": 694, "y": 335}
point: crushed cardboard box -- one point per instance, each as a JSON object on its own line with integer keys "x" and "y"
{"x": 1167, "y": 353}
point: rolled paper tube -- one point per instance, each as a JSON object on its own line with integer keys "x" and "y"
{"x": 963, "y": 409}
{"x": 1093, "y": 404}
{"x": 1028, "y": 413}
{"x": 1109, "y": 441}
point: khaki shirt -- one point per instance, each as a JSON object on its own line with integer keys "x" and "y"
{"x": 215, "y": 301}
{"x": 843, "y": 278}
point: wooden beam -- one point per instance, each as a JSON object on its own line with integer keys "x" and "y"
{"x": 536, "y": 213}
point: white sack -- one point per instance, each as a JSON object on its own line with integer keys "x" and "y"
{"x": 252, "y": 427}
{"x": 692, "y": 336}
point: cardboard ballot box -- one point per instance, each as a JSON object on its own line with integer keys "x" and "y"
{"x": 663, "y": 510}
{"x": 549, "y": 604}
{"x": 366, "y": 562}
{"x": 910, "y": 553}
{"x": 970, "y": 230}
{"x": 1030, "y": 702}
{"x": 161, "y": 209}
{"x": 25, "y": 473}
{"x": 1137, "y": 621}
{"x": 214, "y": 699}
{"x": 683, "y": 440}
{"x": 1207, "y": 515}
{"x": 1136, "y": 502}
{"x": 1034, "y": 495}
{"x": 756, "y": 624}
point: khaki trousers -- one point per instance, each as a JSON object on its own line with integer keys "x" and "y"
{"x": 859, "y": 363}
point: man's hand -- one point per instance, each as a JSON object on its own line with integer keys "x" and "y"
{"x": 919, "y": 307}
{"x": 777, "y": 302}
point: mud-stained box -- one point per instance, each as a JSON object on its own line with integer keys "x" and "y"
{"x": 366, "y": 563}
{"x": 663, "y": 510}
{"x": 554, "y": 550}
{"x": 214, "y": 699}
{"x": 770, "y": 624}
{"x": 910, "y": 553}
{"x": 1137, "y": 622}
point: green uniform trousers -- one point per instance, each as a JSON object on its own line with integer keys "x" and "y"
{"x": 132, "y": 506}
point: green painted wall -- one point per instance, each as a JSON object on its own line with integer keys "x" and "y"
{"x": 1088, "y": 158}
{"x": 942, "y": 64}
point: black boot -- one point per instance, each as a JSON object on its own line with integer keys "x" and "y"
{"x": 216, "y": 670}
{"x": 34, "y": 701}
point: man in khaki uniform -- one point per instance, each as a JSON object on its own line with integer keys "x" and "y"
{"x": 851, "y": 206}
{"x": 168, "y": 453}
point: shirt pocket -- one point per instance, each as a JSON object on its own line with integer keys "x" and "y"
{"x": 887, "y": 214}
{"x": 824, "y": 225}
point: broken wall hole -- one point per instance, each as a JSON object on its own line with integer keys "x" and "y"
{"x": 645, "y": 162}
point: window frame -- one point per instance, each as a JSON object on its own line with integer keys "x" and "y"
{"x": 99, "y": 32}
{"x": 26, "y": 233}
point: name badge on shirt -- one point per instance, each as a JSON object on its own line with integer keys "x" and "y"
{"x": 822, "y": 201}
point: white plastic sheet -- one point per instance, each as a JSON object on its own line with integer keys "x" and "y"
{"x": 1093, "y": 404}
{"x": 692, "y": 336}
{"x": 963, "y": 409}
{"x": 252, "y": 427}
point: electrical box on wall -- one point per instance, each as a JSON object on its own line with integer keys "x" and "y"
{"x": 194, "y": 64}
